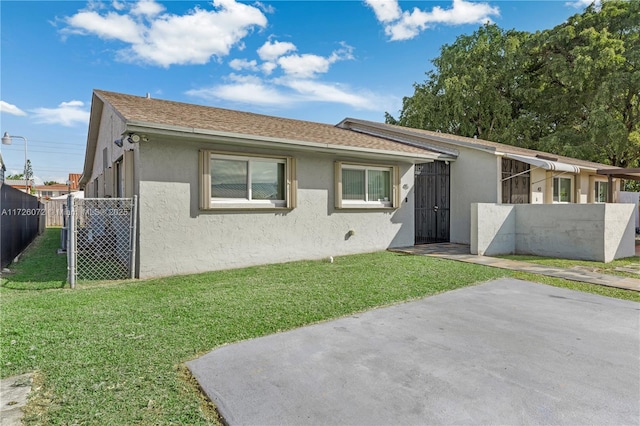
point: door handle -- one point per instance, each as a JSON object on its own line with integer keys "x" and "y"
{"x": 435, "y": 208}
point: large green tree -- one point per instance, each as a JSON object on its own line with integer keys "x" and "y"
{"x": 473, "y": 88}
{"x": 572, "y": 90}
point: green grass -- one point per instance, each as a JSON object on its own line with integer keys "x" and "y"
{"x": 40, "y": 267}
{"x": 114, "y": 354}
{"x": 601, "y": 267}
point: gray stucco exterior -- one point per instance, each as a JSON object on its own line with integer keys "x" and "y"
{"x": 182, "y": 229}
{"x": 177, "y": 237}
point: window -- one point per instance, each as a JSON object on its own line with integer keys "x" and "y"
{"x": 366, "y": 186}
{"x": 562, "y": 188}
{"x": 602, "y": 192}
{"x": 118, "y": 178}
{"x": 515, "y": 182}
{"x": 247, "y": 182}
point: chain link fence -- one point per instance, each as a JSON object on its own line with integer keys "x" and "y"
{"x": 102, "y": 239}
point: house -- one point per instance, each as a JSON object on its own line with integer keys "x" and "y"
{"x": 50, "y": 191}
{"x": 59, "y": 189}
{"x": 488, "y": 172}
{"x": 222, "y": 189}
{"x": 20, "y": 184}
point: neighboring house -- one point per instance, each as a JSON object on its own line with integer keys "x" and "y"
{"x": 487, "y": 172}
{"x": 50, "y": 191}
{"x": 21, "y": 184}
{"x": 223, "y": 189}
{"x": 59, "y": 189}
{"x": 74, "y": 181}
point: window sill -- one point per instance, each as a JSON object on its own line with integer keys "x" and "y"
{"x": 366, "y": 206}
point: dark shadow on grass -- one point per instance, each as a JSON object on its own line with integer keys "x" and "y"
{"x": 39, "y": 267}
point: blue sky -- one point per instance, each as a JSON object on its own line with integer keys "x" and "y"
{"x": 311, "y": 60}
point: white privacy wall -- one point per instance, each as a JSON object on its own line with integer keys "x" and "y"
{"x": 598, "y": 232}
{"x": 474, "y": 179}
{"x": 176, "y": 237}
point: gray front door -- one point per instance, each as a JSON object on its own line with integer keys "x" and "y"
{"x": 432, "y": 202}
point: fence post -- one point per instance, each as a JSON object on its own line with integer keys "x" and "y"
{"x": 134, "y": 220}
{"x": 71, "y": 252}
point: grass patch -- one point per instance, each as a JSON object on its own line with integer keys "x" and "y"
{"x": 40, "y": 267}
{"x": 600, "y": 267}
{"x": 114, "y": 354}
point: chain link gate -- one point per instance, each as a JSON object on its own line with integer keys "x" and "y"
{"x": 101, "y": 239}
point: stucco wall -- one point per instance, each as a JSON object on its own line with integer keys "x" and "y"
{"x": 474, "y": 179}
{"x": 176, "y": 237}
{"x": 111, "y": 128}
{"x": 600, "y": 232}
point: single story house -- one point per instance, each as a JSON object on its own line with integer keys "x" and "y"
{"x": 488, "y": 172}
{"x": 221, "y": 189}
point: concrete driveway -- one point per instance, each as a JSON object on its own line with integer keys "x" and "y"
{"x": 503, "y": 352}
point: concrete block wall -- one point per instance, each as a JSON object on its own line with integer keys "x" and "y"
{"x": 597, "y": 232}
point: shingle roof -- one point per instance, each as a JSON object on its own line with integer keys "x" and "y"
{"x": 159, "y": 112}
{"x": 445, "y": 140}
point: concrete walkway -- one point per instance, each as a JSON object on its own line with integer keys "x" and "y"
{"x": 13, "y": 397}
{"x": 503, "y": 352}
{"x": 460, "y": 252}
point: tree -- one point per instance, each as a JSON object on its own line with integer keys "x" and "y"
{"x": 472, "y": 90}
{"x": 572, "y": 90}
{"x": 28, "y": 170}
{"x": 50, "y": 182}
{"x": 16, "y": 177}
{"x": 586, "y": 84}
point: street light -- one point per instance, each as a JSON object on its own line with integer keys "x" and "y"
{"x": 6, "y": 140}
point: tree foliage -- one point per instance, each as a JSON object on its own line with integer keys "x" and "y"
{"x": 572, "y": 90}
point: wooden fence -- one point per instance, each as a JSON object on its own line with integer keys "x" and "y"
{"x": 55, "y": 211}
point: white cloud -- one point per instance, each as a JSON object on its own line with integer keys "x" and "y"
{"x": 166, "y": 39}
{"x": 147, "y": 8}
{"x": 287, "y": 92}
{"x": 408, "y": 25}
{"x": 306, "y": 65}
{"x": 385, "y": 10}
{"x": 581, "y": 4}
{"x": 272, "y": 51}
{"x": 10, "y": 109}
{"x": 243, "y": 64}
{"x": 268, "y": 67}
{"x": 309, "y": 65}
{"x": 66, "y": 114}
{"x": 312, "y": 90}
{"x": 244, "y": 89}
{"x": 109, "y": 26}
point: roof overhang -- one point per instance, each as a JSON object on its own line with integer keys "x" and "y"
{"x": 544, "y": 164}
{"x": 402, "y": 135}
{"x": 240, "y": 139}
{"x": 629, "y": 174}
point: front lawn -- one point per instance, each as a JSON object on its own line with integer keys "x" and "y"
{"x": 114, "y": 354}
{"x": 600, "y": 267}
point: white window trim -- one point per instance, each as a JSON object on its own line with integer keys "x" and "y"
{"x": 211, "y": 203}
{"x": 572, "y": 194}
{"x": 393, "y": 203}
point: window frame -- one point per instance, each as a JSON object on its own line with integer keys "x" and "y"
{"x": 207, "y": 202}
{"x": 554, "y": 186}
{"x": 595, "y": 189}
{"x": 394, "y": 190}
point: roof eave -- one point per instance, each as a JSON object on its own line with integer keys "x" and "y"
{"x": 362, "y": 124}
{"x": 266, "y": 141}
{"x": 97, "y": 105}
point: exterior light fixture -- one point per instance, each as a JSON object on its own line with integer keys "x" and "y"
{"x": 133, "y": 138}
{"x": 7, "y": 140}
